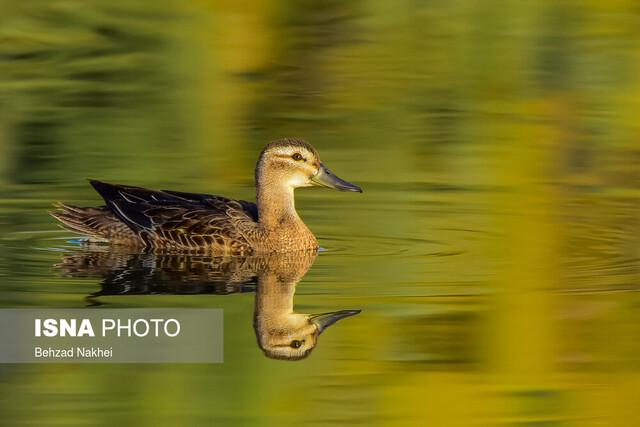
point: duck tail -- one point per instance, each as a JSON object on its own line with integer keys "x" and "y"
{"x": 96, "y": 223}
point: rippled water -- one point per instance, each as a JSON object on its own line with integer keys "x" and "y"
{"x": 494, "y": 253}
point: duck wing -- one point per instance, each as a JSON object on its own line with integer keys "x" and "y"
{"x": 171, "y": 219}
{"x": 250, "y": 208}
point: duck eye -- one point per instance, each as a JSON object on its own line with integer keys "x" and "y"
{"x": 296, "y": 344}
{"x": 297, "y": 157}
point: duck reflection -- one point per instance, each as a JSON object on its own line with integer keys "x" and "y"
{"x": 281, "y": 332}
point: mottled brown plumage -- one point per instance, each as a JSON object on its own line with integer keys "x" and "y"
{"x": 172, "y": 220}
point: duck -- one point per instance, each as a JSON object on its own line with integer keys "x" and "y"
{"x": 178, "y": 221}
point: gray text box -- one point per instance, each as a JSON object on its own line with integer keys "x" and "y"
{"x": 156, "y": 335}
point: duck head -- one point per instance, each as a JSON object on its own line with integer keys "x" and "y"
{"x": 295, "y": 163}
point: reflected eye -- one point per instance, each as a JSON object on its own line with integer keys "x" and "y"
{"x": 296, "y": 344}
{"x": 297, "y": 157}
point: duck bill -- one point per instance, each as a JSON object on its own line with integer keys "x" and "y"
{"x": 326, "y": 178}
{"x": 324, "y": 320}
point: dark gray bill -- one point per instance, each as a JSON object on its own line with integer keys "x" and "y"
{"x": 326, "y": 178}
{"x": 327, "y": 319}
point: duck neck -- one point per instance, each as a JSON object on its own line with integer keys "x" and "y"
{"x": 276, "y": 206}
{"x": 274, "y": 297}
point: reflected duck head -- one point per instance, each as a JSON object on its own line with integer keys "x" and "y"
{"x": 295, "y": 335}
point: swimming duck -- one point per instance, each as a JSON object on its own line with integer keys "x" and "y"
{"x": 135, "y": 216}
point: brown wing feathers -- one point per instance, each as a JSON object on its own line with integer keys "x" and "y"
{"x": 97, "y": 223}
{"x": 164, "y": 219}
